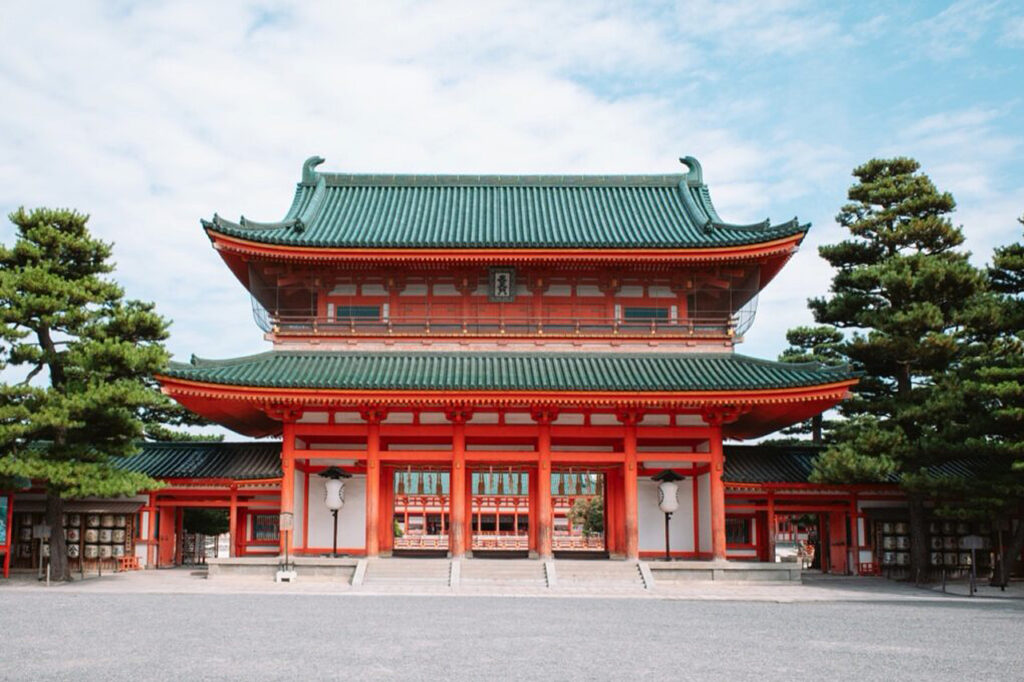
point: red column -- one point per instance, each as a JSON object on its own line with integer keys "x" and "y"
{"x": 372, "y": 483}
{"x": 717, "y": 495}
{"x": 545, "y": 512}
{"x": 695, "y": 486}
{"x": 458, "y": 501}
{"x": 233, "y": 524}
{"x": 287, "y": 481}
{"x": 771, "y": 527}
{"x": 629, "y": 487}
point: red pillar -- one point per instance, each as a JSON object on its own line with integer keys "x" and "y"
{"x": 545, "y": 512}
{"x": 151, "y": 534}
{"x": 695, "y": 487}
{"x": 372, "y": 483}
{"x": 233, "y": 524}
{"x": 717, "y": 495}
{"x": 629, "y": 488}
{"x": 457, "y": 529}
{"x": 287, "y": 482}
{"x": 771, "y": 527}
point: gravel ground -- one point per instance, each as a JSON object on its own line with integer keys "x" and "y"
{"x": 265, "y": 636}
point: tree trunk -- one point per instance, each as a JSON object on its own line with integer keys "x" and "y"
{"x": 918, "y": 539}
{"x": 1010, "y": 553}
{"x": 60, "y": 570}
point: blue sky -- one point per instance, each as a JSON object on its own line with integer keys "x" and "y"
{"x": 153, "y": 115}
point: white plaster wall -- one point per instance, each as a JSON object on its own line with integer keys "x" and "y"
{"x": 704, "y": 503}
{"x": 351, "y": 518}
{"x": 652, "y": 520}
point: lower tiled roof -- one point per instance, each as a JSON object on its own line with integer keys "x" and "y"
{"x": 661, "y": 372}
{"x": 236, "y": 461}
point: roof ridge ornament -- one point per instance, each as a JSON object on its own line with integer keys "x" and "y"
{"x": 309, "y": 173}
{"x": 695, "y": 174}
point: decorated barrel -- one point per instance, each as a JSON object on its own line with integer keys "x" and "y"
{"x": 107, "y": 520}
{"x": 73, "y": 551}
{"x": 106, "y": 535}
{"x": 92, "y": 551}
{"x": 74, "y": 520}
{"x": 936, "y": 542}
{"x": 886, "y": 527}
{"x": 119, "y": 536}
{"x": 889, "y": 542}
{"x": 963, "y": 528}
{"x": 950, "y": 543}
{"x": 936, "y": 558}
{"x": 72, "y": 534}
{"x": 901, "y": 527}
{"x": 106, "y": 551}
{"x": 92, "y": 520}
{"x": 965, "y": 558}
{"x": 949, "y": 558}
{"x": 889, "y": 558}
{"x": 902, "y": 558}
{"x": 934, "y": 527}
{"x": 118, "y": 550}
{"x": 25, "y": 533}
{"x": 948, "y": 528}
{"x": 120, "y": 521}
{"x": 92, "y": 535}
{"x": 902, "y": 542}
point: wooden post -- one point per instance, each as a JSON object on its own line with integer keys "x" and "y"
{"x": 372, "y": 482}
{"x": 305, "y": 507}
{"x": 771, "y": 526}
{"x": 695, "y": 488}
{"x": 717, "y": 495}
{"x": 854, "y": 548}
{"x": 629, "y": 488}
{"x": 150, "y": 535}
{"x": 457, "y": 529}
{"x": 545, "y": 513}
{"x": 287, "y": 481}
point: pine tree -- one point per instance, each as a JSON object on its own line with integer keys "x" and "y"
{"x": 84, "y": 356}
{"x": 903, "y": 287}
{"x": 820, "y": 344}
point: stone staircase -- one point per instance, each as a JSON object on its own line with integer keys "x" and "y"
{"x": 576, "y": 575}
{"x": 406, "y": 572}
{"x": 502, "y": 573}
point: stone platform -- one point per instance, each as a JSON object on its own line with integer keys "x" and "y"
{"x": 728, "y": 571}
{"x": 308, "y": 568}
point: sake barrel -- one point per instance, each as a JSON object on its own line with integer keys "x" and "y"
{"x": 901, "y": 527}
{"x": 106, "y": 535}
{"x": 949, "y": 542}
{"x": 75, "y": 520}
{"x": 92, "y": 551}
{"x": 107, "y": 520}
{"x": 118, "y": 550}
{"x": 933, "y": 528}
{"x": 106, "y": 551}
{"x": 72, "y": 534}
{"x": 936, "y": 558}
{"x": 949, "y": 558}
{"x": 92, "y": 535}
{"x": 936, "y": 542}
{"x": 902, "y": 542}
{"x": 886, "y": 527}
{"x": 119, "y": 535}
{"x": 120, "y": 521}
{"x": 889, "y": 542}
{"x": 92, "y": 520}
{"x": 46, "y": 549}
{"x": 902, "y": 558}
{"x": 963, "y": 528}
{"x": 25, "y": 533}
{"x": 965, "y": 558}
{"x": 73, "y": 551}
{"x": 948, "y": 527}
{"x": 889, "y": 558}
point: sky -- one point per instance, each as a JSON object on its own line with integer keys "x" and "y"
{"x": 152, "y": 115}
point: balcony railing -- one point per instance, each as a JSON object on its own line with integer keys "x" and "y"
{"x": 283, "y": 325}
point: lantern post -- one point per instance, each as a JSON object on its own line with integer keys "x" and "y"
{"x": 668, "y": 501}
{"x": 334, "y": 497}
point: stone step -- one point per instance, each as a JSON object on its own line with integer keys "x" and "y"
{"x": 408, "y": 571}
{"x": 604, "y": 573}
{"x": 510, "y": 571}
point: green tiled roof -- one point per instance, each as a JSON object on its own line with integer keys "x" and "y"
{"x": 187, "y": 459}
{"x": 503, "y": 211}
{"x": 506, "y": 371}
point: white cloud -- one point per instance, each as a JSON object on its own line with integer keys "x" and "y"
{"x": 954, "y": 31}
{"x": 759, "y": 27}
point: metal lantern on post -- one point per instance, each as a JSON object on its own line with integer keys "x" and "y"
{"x": 668, "y": 500}
{"x": 334, "y": 497}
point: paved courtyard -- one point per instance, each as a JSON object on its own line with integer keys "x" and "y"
{"x": 92, "y": 630}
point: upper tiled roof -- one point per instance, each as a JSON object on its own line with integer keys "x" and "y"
{"x": 503, "y": 211}
{"x": 188, "y": 459}
{"x": 661, "y": 372}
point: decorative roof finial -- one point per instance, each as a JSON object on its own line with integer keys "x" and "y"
{"x": 695, "y": 176}
{"x": 309, "y": 169}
